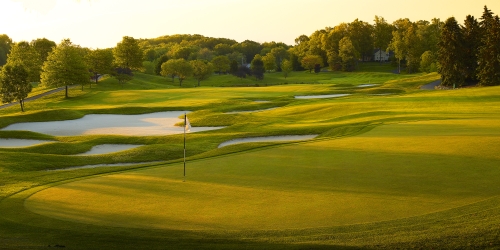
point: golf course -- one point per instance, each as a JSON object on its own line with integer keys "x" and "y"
{"x": 384, "y": 165}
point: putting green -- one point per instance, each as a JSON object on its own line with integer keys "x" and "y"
{"x": 394, "y": 171}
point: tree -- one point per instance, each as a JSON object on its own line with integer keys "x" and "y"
{"x": 43, "y": 46}
{"x": 450, "y": 54}
{"x": 286, "y": 67}
{"x": 15, "y": 84}
{"x": 257, "y": 66}
{"x": 202, "y": 70}
{"x": 99, "y": 62}
{"x": 159, "y": 62}
{"x": 233, "y": 67}
{"x": 310, "y": 61}
{"x": 413, "y": 48}
{"x": 5, "y": 45}
{"x": 382, "y": 34}
{"x": 123, "y": 75}
{"x": 65, "y": 66}
{"x": 269, "y": 62}
{"x": 398, "y": 44}
{"x": 360, "y": 34}
{"x": 347, "y": 54}
{"x": 23, "y": 53}
{"x": 489, "y": 51}
{"x": 427, "y": 62}
{"x": 177, "y": 67}
{"x": 221, "y": 64}
{"x": 472, "y": 36}
{"x": 128, "y": 54}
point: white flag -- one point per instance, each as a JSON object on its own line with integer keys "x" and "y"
{"x": 187, "y": 124}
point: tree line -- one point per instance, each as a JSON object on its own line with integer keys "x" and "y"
{"x": 460, "y": 53}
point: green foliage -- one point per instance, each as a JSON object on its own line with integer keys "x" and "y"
{"x": 5, "y": 45}
{"x": 65, "y": 66}
{"x": 25, "y": 54}
{"x": 257, "y": 67}
{"x": 221, "y": 64}
{"x": 128, "y": 54}
{"x": 451, "y": 56}
{"x": 426, "y": 62}
{"x": 177, "y": 67}
{"x": 489, "y": 51}
{"x": 202, "y": 70}
{"x": 43, "y": 46}
{"x": 348, "y": 54}
{"x": 14, "y": 84}
{"x": 286, "y": 67}
{"x": 100, "y": 62}
{"x": 310, "y": 61}
{"x": 472, "y": 37}
{"x": 269, "y": 62}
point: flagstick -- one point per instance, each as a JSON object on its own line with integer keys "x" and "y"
{"x": 185, "y": 146}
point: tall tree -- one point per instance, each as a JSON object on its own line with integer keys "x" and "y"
{"x": 5, "y": 45}
{"x": 398, "y": 44}
{"x": 472, "y": 36}
{"x": 413, "y": 48}
{"x": 360, "y": 33}
{"x": 65, "y": 66}
{"x": 15, "y": 85}
{"x": 382, "y": 34}
{"x": 489, "y": 51}
{"x": 202, "y": 70}
{"x": 128, "y": 54}
{"x": 23, "y": 53}
{"x": 450, "y": 54}
{"x": 348, "y": 54}
{"x": 100, "y": 62}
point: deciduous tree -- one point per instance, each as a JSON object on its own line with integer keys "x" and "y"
{"x": 202, "y": 70}
{"x": 15, "y": 85}
{"x": 221, "y": 64}
{"x": 269, "y": 62}
{"x": 23, "y": 53}
{"x": 310, "y": 61}
{"x": 128, "y": 54}
{"x": 65, "y": 66}
{"x": 348, "y": 54}
{"x": 286, "y": 67}
{"x": 5, "y": 45}
{"x": 100, "y": 62}
{"x": 257, "y": 66}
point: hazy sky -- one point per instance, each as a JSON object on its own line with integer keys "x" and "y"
{"x": 102, "y": 23}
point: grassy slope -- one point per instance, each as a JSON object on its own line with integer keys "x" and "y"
{"x": 352, "y": 169}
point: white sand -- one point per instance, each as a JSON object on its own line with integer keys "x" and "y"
{"x": 250, "y": 111}
{"x": 109, "y": 148}
{"x": 19, "y": 143}
{"x": 268, "y": 139}
{"x": 366, "y": 85}
{"x": 320, "y": 96}
{"x": 160, "y": 123}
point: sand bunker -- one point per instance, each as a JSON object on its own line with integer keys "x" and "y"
{"x": 19, "y": 143}
{"x": 366, "y": 85}
{"x": 268, "y": 139}
{"x": 109, "y": 148}
{"x": 160, "y": 123}
{"x": 319, "y": 96}
{"x": 250, "y": 111}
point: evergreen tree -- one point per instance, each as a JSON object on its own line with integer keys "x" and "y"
{"x": 472, "y": 36}
{"x": 451, "y": 55}
{"x": 489, "y": 51}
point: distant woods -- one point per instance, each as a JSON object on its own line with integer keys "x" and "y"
{"x": 463, "y": 54}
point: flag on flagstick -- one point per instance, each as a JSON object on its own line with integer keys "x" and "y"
{"x": 187, "y": 124}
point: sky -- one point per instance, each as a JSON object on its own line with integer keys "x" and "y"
{"x": 103, "y": 23}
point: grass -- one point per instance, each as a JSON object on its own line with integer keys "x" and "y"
{"x": 415, "y": 169}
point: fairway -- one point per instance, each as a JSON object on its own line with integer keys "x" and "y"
{"x": 392, "y": 172}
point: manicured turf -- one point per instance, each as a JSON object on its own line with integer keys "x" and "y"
{"x": 415, "y": 169}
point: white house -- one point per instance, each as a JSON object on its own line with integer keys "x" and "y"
{"x": 381, "y": 55}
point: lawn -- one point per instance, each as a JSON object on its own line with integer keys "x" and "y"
{"x": 414, "y": 169}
